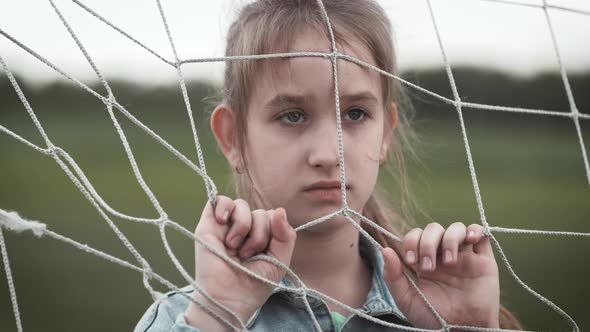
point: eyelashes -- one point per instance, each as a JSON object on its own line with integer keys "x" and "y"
{"x": 356, "y": 114}
{"x": 296, "y": 117}
{"x": 292, "y": 118}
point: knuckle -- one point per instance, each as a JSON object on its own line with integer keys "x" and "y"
{"x": 261, "y": 221}
{"x": 409, "y": 243}
{"x": 291, "y": 236}
{"x": 222, "y": 198}
{"x": 269, "y": 214}
{"x": 435, "y": 226}
{"x": 414, "y": 232}
{"x": 475, "y": 227}
{"x": 259, "y": 244}
{"x": 224, "y": 201}
{"x": 450, "y": 241}
{"x": 242, "y": 202}
{"x": 291, "y": 233}
{"x": 259, "y": 213}
{"x": 240, "y": 226}
{"x": 457, "y": 224}
{"x": 412, "y": 237}
{"x": 447, "y": 245}
{"x": 428, "y": 245}
{"x": 260, "y": 235}
{"x": 221, "y": 206}
{"x": 249, "y": 245}
{"x": 426, "y": 242}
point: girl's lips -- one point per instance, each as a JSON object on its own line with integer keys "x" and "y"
{"x": 324, "y": 194}
{"x": 325, "y": 184}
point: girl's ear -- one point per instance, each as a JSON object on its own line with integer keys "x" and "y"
{"x": 223, "y": 125}
{"x": 389, "y": 124}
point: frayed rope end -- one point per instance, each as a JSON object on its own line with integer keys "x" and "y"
{"x": 13, "y": 222}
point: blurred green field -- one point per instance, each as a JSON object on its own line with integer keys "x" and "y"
{"x": 529, "y": 168}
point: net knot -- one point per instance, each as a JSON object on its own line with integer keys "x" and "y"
{"x": 51, "y": 150}
{"x": 147, "y": 270}
{"x": 300, "y": 291}
{"x": 575, "y": 112}
{"x": 344, "y": 213}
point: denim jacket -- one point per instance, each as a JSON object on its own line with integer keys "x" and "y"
{"x": 284, "y": 311}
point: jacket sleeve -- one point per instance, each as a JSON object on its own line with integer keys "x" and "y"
{"x": 167, "y": 315}
{"x": 162, "y": 317}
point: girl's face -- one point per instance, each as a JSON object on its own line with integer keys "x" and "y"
{"x": 291, "y": 146}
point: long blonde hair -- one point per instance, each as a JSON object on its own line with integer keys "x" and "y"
{"x": 268, "y": 26}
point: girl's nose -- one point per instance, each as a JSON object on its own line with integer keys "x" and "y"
{"x": 323, "y": 147}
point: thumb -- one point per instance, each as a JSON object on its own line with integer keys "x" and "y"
{"x": 283, "y": 237}
{"x": 397, "y": 282}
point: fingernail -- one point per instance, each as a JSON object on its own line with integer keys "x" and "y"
{"x": 235, "y": 242}
{"x": 426, "y": 263}
{"x": 448, "y": 256}
{"x": 471, "y": 234}
{"x": 410, "y": 257}
{"x": 225, "y": 215}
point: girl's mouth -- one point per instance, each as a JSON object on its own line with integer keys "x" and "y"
{"x": 324, "y": 191}
{"x": 324, "y": 194}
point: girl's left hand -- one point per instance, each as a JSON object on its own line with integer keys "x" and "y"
{"x": 456, "y": 271}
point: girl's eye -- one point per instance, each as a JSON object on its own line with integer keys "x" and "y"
{"x": 292, "y": 118}
{"x": 355, "y": 114}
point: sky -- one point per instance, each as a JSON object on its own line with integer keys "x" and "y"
{"x": 514, "y": 39}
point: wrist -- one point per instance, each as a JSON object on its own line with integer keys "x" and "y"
{"x": 196, "y": 316}
{"x": 493, "y": 323}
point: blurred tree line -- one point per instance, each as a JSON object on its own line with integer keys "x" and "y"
{"x": 541, "y": 91}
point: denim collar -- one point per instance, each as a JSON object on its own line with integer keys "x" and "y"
{"x": 379, "y": 300}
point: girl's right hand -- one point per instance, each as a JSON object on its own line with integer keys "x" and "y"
{"x": 239, "y": 233}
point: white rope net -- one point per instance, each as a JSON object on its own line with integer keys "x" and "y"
{"x": 13, "y": 222}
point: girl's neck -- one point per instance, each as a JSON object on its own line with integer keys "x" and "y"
{"x": 330, "y": 262}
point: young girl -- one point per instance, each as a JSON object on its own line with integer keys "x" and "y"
{"x": 276, "y": 127}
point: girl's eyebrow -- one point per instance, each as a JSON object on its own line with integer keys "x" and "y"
{"x": 282, "y": 99}
{"x": 290, "y": 99}
{"x": 365, "y": 96}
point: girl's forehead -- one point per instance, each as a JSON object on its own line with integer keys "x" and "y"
{"x": 309, "y": 82}
{"x": 312, "y": 39}
{"x": 311, "y": 78}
